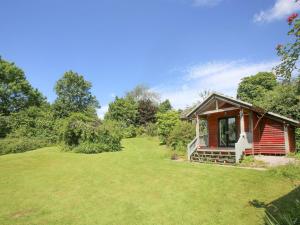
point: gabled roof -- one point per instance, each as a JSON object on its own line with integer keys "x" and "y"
{"x": 240, "y": 103}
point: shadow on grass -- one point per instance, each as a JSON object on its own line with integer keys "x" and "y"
{"x": 284, "y": 210}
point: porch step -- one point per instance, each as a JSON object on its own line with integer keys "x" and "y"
{"x": 214, "y": 156}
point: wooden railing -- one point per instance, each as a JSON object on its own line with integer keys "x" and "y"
{"x": 191, "y": 147}
{"x": 201, "y": 141}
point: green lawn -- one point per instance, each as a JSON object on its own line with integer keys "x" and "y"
{"x": 138, "y": 185}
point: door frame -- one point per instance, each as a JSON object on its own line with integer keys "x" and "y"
{"x": 227, "y": 139}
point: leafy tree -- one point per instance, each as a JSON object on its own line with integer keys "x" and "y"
{"x": 253, "y": 88}
{"x": 165, "y": 123}
{"x": 123, "y": 110}
{"x": 74, "y": 95}
{"x": 147, "y": 111}
{"x": 182, "y": 133}
{"x": 15, "y": 91}
{"x": 283, "y": 100}
{"x": 164, "y": 106}
{"x": 142, "y": 92}
{"x": 290, "y": 52}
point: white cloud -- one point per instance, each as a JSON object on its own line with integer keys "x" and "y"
{"x": 280, "y": 10}
{"x": 199, "y": 3}
{"x": 218, "y": 76}
{"x": 101, "y": 112}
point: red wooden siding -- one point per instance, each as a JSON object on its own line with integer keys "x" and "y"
{"x": 292, "y": 138}
{"x": 213, "y": 125}
{"x": 268, "y": 136}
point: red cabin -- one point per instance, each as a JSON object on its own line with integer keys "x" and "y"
{"x": 227, "y": 128}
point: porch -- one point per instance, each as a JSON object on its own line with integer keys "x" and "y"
{"x": 223, "y": 132}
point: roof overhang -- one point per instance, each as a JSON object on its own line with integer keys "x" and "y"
{"x": 239, "y": 104}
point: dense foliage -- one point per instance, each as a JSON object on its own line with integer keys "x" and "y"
{"x": 146, "y": 112}
{"x": 21, "y": 144}
{"x": 181, "y": 134}
{"x": 15, "y": 91}
{"x": 166, "y": 122}
{"x": 253, "y": 88}
{"x": 123, "y": 110}
{"x": 73, "y": 95}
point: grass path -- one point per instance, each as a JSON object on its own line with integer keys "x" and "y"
{"x": 138, "y": 185}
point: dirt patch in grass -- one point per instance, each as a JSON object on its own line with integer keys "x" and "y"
{"x": 21, "y": 213}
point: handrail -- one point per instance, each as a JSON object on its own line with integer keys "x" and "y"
{"x": 191, "y": 147}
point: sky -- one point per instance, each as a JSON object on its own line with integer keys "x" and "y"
{"x": 176, "y": 47}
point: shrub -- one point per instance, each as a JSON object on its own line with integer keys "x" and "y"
{"x": 151, "y": 129}
{"x": 165, "y": 123}
{"x": 90, "y": 148}
{"x": 181, "y": 134}
{"x": 17, "y": 145}
{"x": 129, "y": 131}
{"x": 120, "y": 129}
{"x": 78, "y": 127}
{"x": 85, "y": 134}
{"x": 34, "y": 122}
{"x": 4, "y": 126}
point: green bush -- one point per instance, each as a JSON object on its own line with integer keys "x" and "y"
{"x": 165, "y": 124}
{"x": 91, "y": 148}
{"x": 36, "y": 122}
{"x": 151, "y": 129}
{"x": 4, "y": 126}
{"x": 120, "y": 129}
{"x": 17, "y": 145}
{"x": 85, "y": 134}
{"x": 78, "y": 127}
{"x": 181, "y": 134}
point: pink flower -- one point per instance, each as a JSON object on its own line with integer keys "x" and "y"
{"x": 291, "y": 18}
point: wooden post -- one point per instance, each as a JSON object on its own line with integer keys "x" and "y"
{"x": 217, "y": 105}
{"x": 242, "y": 122}
{"x": 286, "y": 139}
{"x": 251, "y": 129}
{"x": 197, "y": 127}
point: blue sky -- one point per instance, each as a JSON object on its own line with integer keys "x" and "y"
{"x": 176, "y": 47}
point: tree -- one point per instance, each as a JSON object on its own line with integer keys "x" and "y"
{"x": 16, "y": 93}
{"x": 147, "y": 111}
{"x": 253, "y": 88}
{"x": 283, "y": 99}
{"x": 123, "y": 110}
{"x": 142, "y": 92}
{"x": 165, "y": 123}
{"x": 164, "y": 106}
{"x": 74, "y": 95}
{"x": 290, "y": 52}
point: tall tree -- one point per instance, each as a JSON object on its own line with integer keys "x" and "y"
{"x": 16, "y": 93}
{"x": 74, "y": 95}
{"x": 123, "y": 110}
{"x": 165, "y": 106}
{"x": 147, "y": 111}
{"x": 253, "y": 88}
{"x": 143, "y": 92}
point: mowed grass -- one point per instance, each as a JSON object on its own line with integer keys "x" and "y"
{"x": 139, "y": 185}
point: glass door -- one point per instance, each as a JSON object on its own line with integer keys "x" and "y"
{"x": 227, "y": 132}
